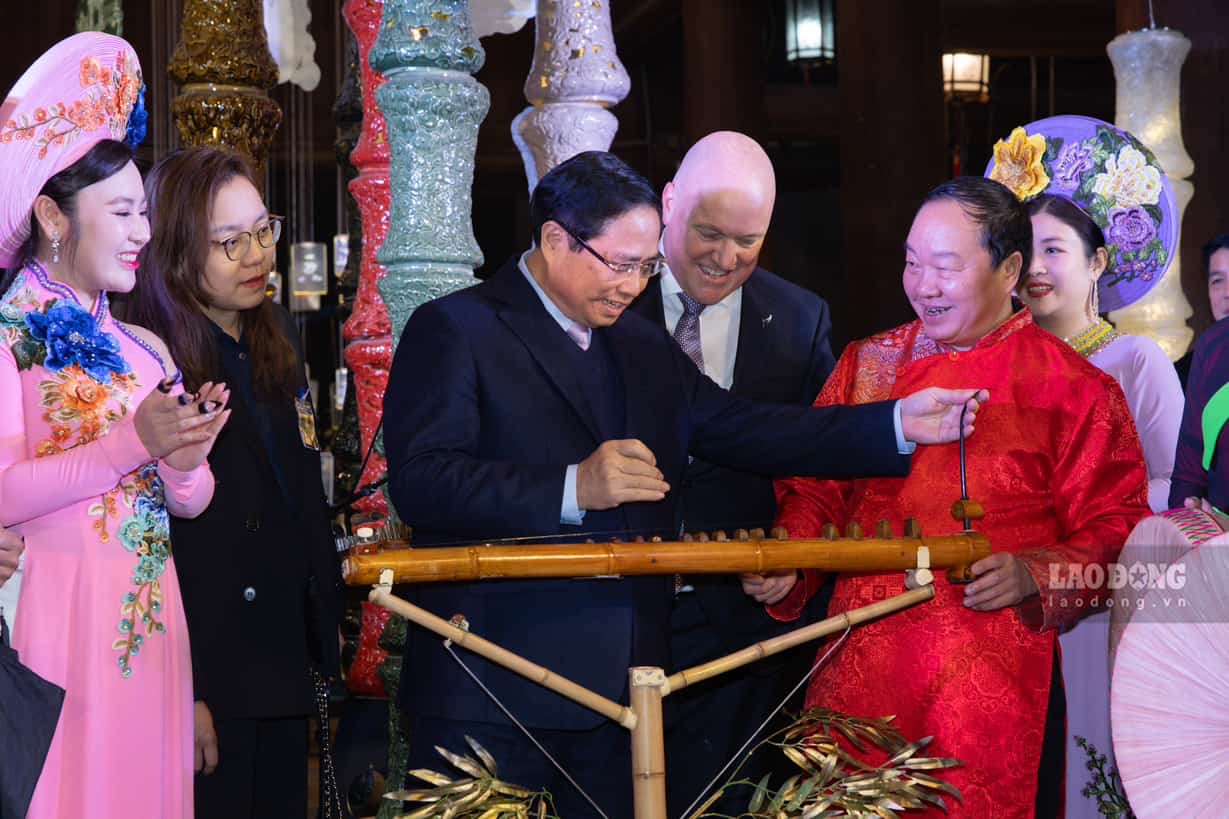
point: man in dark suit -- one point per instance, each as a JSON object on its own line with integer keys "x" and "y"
{"x": 762, "y": 338}
{"x": 526, "y": 407}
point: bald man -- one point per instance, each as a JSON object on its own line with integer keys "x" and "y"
{"x": 760, "y": 337}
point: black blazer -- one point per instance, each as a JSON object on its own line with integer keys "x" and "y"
{"x": 482, "y": 416}
{"x": 782, "y": 355}
{"x": 245, "y": 565}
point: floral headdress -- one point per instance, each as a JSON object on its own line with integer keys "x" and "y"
{"x": 84, "y": 89}
{"x": 1114, "y": 179}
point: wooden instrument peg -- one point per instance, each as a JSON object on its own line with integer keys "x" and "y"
{"x": 720, "y": 536}
{"x": 780, "y": 533}
{"x": 742, "y": 535}
{"x": 702, "y": 537}
{"x": 853, "y": 530}
{"x": 960, "y": 574}
{"x": 639, "y": 539}
{"x": 883, "y": 529}
{"x": 967, "y": 510}
{"x": 688, "y": 537}
{"x": 656, "y": 539}
{"x": 830, "y": 532}
{"x": 912, "y": 528}
{"x": 757, "y": 533}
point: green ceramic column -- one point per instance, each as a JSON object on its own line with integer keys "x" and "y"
{"x": 433, "y": 107}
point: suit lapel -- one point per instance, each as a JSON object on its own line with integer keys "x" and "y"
{"x": 649, "y": 304}
{"x": 524, "y": 314}
{"x": 754, "y": 325}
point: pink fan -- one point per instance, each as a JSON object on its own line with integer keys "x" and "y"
{"x": 1171, "y": 682}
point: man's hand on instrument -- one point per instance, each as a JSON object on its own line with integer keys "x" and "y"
{"x": 1204, "y": 505}
{"x": 932, "y": 415}
{"x": 769, "y": 588}
{"x": 618, "y": 472}
{"x": 1002, "y": 580}
{"x": 11, "y": 546}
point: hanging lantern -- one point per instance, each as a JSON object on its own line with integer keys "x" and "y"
{"x": 810, "y": 30}
{"x": 966, "y": 77}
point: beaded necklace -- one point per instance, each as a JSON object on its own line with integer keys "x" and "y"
{"x": 1092, "y": 338}
{"x": 100, "y": 314}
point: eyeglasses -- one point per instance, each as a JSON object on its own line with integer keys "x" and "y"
{"x": 647, "y": 269}
{"x": 237, "y": 246}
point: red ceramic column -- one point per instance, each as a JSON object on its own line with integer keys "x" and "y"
{"x": 368, "y": 333}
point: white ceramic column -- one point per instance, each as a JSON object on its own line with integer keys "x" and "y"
{"x": 576, "y": 76}
{"x": 1148, "y": 68}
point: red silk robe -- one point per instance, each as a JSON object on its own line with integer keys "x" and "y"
{"x": 1057, "y": 464}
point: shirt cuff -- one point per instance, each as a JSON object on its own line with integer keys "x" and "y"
{"x": 903, "y": 447}
{"x": 570, "y": 511}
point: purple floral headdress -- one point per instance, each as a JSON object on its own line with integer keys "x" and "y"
{"x": 1113, "y": 178}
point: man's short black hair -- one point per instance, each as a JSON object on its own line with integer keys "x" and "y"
{"x": 1221, "y": 242}
{"x": 1004, "y": 220}
{"x": 586, "y": 192}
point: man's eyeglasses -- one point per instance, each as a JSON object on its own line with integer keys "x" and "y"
{"x": 237, "y": 246}
{"x": 646, "y": 270}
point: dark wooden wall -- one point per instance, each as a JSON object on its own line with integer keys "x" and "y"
{"x": 855, "y": 146}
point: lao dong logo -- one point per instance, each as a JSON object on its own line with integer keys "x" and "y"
{"x": 1115, "y": 576}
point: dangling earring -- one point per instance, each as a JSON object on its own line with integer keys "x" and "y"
{"x": 55, "y": 249}
{"x": 1096, "y": 314}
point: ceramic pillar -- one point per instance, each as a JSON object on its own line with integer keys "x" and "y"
{"x": 576, "y": 76}
{"x": 433, "y": 107}
{"x": 224, "y": 70}
{"x": 1148, "y": 68}
{"x": 368, "y": 334}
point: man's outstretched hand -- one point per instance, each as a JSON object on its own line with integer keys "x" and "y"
{"x": 932, "y": 415}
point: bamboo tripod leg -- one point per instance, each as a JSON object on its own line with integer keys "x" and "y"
{"x": 648, "y": 744}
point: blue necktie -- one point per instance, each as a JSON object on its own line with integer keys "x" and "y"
{"x": 687, "y": 331}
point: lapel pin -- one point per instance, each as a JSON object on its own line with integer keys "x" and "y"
{"x": 764, "y": 322}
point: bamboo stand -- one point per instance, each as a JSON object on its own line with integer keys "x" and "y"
{"x": 648, "y": 685}
{"x": 749, "y": 552}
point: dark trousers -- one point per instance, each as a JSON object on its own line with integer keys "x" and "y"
{"x": 598, "y": 759}
{"x": 708, "y": 722}
{"x": 1052, "y": 770}
{"x": 261, "y": 773}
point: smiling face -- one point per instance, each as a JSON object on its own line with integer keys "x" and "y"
{"x": 586, "y": 290}
{"x": 712, "y": 241}
{"x": 949, "y": 279}
{"x": 1060, "y": 275}
{"x": 109, "y": 228}
{"x": 234, "y": 286}
{"x": 1218, "y": 283}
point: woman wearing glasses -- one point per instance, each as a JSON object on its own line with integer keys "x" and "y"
{"x": 260, "y": 579}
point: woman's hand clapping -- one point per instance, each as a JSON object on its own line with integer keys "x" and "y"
{"x": 180, "y": 430}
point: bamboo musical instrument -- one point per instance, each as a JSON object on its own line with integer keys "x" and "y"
{"x": 718, "y": 554}
{"x": 747, "y": 552}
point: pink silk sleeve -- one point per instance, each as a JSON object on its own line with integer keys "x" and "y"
{"x": 32, "y": 487}
{"x": 187, "y": 493}
{"x": 1154, "y": 395}
{"x": 1100, "y": 493}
